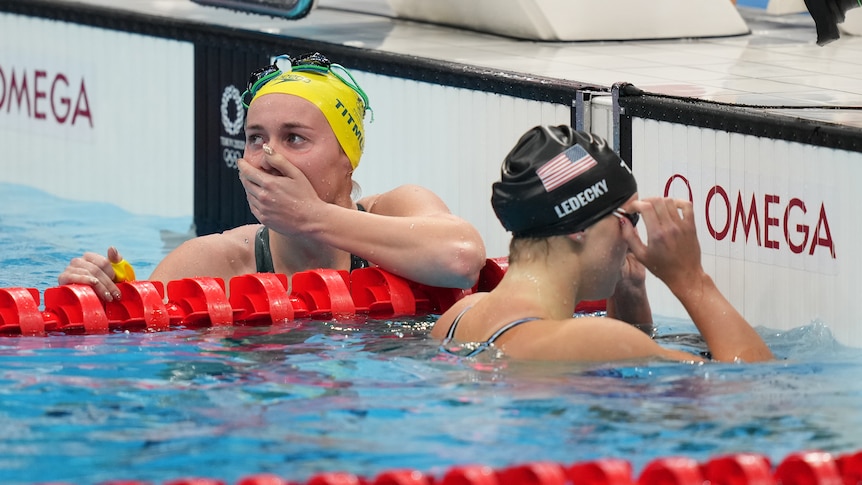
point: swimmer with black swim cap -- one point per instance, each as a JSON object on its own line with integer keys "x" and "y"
{"x": 571, "y": 204}
{"x": 559, "y": 181}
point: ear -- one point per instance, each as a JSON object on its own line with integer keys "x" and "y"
{"x": 577, "y": 237}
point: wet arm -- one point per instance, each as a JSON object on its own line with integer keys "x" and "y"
{"x": 728, "y": 335}
{"x": 222, "y": 256}
{"x": 409, "y": 232}
{"x": 673, "y": 255}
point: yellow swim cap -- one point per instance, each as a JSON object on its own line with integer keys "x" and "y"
{"x": 343, "y": 107}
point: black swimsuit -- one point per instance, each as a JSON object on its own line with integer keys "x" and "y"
{"x": 482, "y": 345}
{"x": 263, "y": 254}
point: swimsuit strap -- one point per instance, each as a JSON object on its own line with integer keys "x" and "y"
{"x": 508, "y": 327}
{"x": 355, "y": 261}
{"x": 484, "y": 345}
{"x": 263, "y": 254}
{"x": 451, "y": 333}
{"x": 488, "y": 343}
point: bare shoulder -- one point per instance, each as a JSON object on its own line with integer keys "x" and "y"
{"x": 223, "y": 255}
{"x": 405, "y": 200}
{"x": 590, "y": 339}
{"x": 441, "y": 326}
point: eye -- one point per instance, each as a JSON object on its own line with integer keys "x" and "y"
{"x": 254, "y": 140}
{"x": 294, "y": 139}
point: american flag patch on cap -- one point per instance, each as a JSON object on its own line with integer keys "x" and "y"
{"x": 565, "y": 167}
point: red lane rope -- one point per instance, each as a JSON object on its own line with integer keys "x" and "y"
{"x": 258, "y": 298}
{"x": 810, "y": 467}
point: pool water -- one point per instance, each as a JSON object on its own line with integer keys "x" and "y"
{"x": 753, "y": 3}
{"x": 365, "y": 395}
{"x": 40, "y": 233}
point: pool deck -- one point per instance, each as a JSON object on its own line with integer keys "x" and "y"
{"x": 778, "y": 64}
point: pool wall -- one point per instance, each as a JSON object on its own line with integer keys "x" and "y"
{"x": 156, "y": 97}
{"x": 97, "y": 114}
{"x": 773, "y": 213}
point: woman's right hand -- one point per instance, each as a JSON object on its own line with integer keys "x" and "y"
{"x": 672, "y": 251}
{"x": 94, "y": 270}
{"x": 279, "y": 194}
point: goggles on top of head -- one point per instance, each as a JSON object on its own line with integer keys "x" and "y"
{"x": 633, "y": 217}
{"x": 315, "y": 62}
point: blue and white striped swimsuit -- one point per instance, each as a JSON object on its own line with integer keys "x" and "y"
{"x": 483, "y": 345}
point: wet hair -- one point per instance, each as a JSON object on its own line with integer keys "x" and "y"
{"x": 520, "y": 246}
{"x": 557, "y": 181}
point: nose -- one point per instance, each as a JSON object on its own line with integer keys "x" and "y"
{"x": 263, "y": 164}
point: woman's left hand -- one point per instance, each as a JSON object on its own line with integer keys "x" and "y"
{"x": 633, "y": 272}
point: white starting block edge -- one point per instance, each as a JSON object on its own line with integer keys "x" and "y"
{"x": 852, "y": 24}
{"x": 581, "y": 20}
{"x": 785, "y": 7}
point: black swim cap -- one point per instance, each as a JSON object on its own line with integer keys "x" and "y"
{"x": 559, "y": 181}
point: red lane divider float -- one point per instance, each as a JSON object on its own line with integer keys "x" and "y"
{"x": 255, "y": 299}
{"x": 800, "y": 468}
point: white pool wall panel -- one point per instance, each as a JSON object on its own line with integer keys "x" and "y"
{"x": 801, "y": 263}
{"x": 450, "y": 140}
{"x": 129, "y": 137}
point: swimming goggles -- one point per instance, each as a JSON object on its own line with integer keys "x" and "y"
{"x": 633, "y": 217}
{"x": 314, "y": 62}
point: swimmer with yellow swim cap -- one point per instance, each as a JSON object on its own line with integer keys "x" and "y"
{"x": 334, "y": 92}
{"x": 305, "y": 135}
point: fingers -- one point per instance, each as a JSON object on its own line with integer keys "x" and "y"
{"x": 114, "y": 255}
{"x": 93, "y": 270}
{"x": 272, "y": 169}
{"x": 249, "y": 178}
{"x": 271, "y": 163}
{"x": 248, "y": 174}
{"x": 658, "y": 217}
{"x": 74, "y": 274}
{"x": 686, "y": 208}
{"x": 672, "y": 250}
{"x": 664, "y": 214}
{"x": 663, "y": 209}
{"x": 632, "y": 238}
{"x": 276, "y": 164}
{"x": 633, "y": 270}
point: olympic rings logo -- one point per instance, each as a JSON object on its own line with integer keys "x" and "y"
{"x": 230, "y": 156}
{"x": 232, "y": 127}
